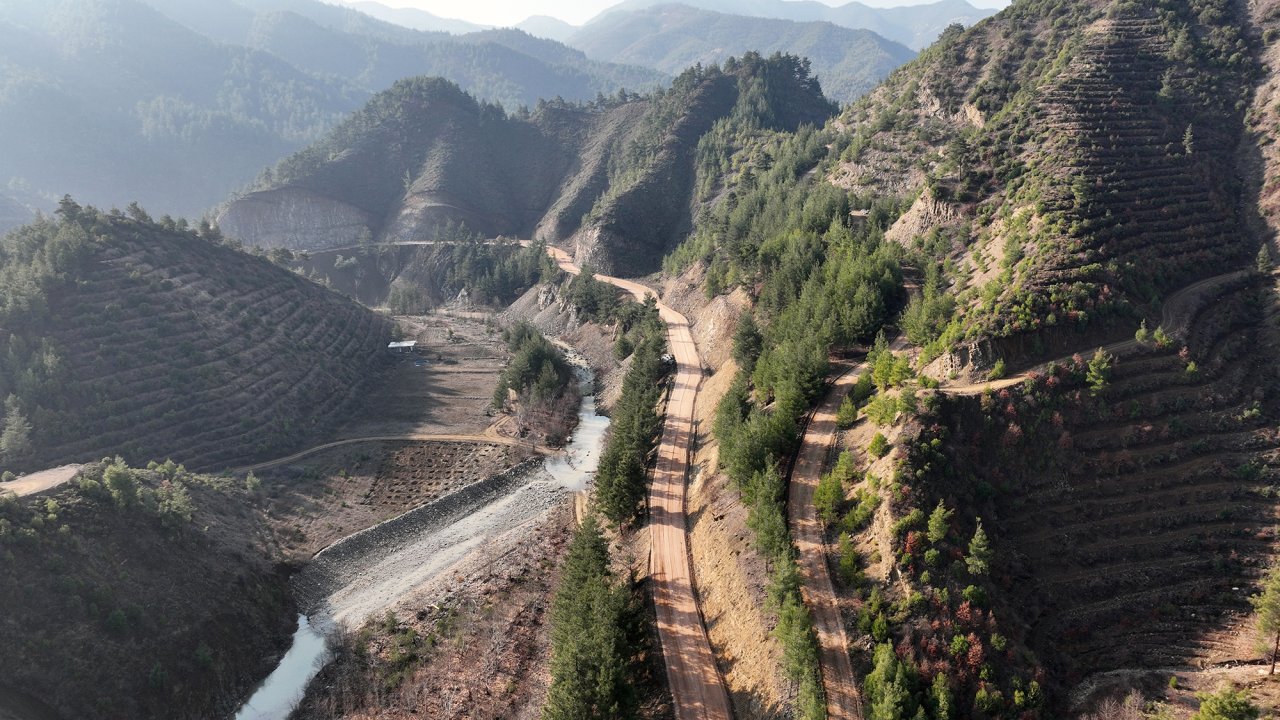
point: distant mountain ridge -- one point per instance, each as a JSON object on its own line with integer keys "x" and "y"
{"x": 176, "y": 104}
{"x": 544, "y": 26}
{"x": 415, "y": 18}
{"x": 915, "y": 26}
{"x": 672, "y": 37}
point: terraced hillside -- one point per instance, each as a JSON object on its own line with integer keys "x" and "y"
{"x": 1071, "y": 166}
{"x": 1131, "y": 518}
{"x": 1074, "y": 178}
{"x": 616, "y": 178}
{"x": 146, "y": 339}
{"x": 1163, "y": 508}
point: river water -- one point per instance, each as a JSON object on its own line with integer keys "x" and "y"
{"x": 371, "y": 580}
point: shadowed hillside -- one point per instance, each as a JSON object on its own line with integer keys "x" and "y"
{"x": 615, "y": 178}
{"x": 139, "y": 593}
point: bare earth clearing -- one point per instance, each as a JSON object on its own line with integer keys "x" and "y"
{"x": 40, "y": 481}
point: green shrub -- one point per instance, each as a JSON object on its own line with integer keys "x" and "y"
{"x": 997, "y": 371}
{"x": 879, "y": 446}
{"x": 1226, "y": 704}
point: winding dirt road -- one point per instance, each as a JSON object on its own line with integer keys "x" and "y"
{"x": 696, "y": 687}
{"x": 838, "y": 679}
{"x": 1175, "y": 317}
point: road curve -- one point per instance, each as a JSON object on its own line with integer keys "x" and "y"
{"x": 414, "y": 437}
{"x": 1175, "y": 316}
{"x": 838, "y": 679}
{"x": 696, "y": 687}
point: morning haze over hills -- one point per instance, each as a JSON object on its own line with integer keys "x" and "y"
{"x": 91, "y": 84}
{"x": 707, "y": 360}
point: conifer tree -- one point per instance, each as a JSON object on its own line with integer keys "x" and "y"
{"x": 590, "y": 648}
{"x": 15, "y": 440}
{"x": 979, "y": 558}
{"x": 1267, "y": 605}
{"x": 939, "y": 523}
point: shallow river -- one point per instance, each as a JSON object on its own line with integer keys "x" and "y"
{"x": 368, "y": 572}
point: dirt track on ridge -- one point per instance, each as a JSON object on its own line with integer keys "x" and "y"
{"x": 422, "y": 437}
{"x": 40, "y": 481}
{"x": 1175, "y": 316}
{"x": 692, "y": 674}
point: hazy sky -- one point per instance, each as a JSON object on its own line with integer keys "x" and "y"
{"x": 509, "y": 12}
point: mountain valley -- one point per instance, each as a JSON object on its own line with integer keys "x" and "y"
{"x": 747, "y": 378}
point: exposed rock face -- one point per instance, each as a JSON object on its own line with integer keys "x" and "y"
{"x": 296, "y": 219}
{"x": 926, "y": 213}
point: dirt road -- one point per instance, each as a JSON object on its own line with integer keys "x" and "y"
{"x": 1175, "y": 316}
{"x": 40, "y": 481}
{"x": 415, "y": 437}
{"x": 838, "y": 679}
{"x": 695, "y": 681}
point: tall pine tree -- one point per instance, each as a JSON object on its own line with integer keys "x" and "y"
{"x": 591, "y": 647}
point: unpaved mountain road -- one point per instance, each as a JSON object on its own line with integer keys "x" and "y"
{"x": 1175, "y": 317}
{"x": 694, "y": 679}
{"x": 40, "y": 481}
{"x": 838, "y": 679}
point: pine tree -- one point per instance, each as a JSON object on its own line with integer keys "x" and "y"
{"x": 15, "y": 440}
{"x": 939, "y": 523}
{"x": 1099, "y": 371}
{"x": 1264, "y": 261}
{"x": 979, "y": 558}
{"x": 590, "y": 647}
{"x": 747, "y": 342}
{"x": 1267, "y": 605}
{"x": 828, "y": 497}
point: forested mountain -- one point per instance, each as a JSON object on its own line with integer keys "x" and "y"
{"x": 915, "y": 26}
{"x": 1077, "y": 186}
{"x": 175, "y": 103}
{"x": 673, "y": 37}
{"x": 619, "y": 178}
{"x": 151, "y": 340}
